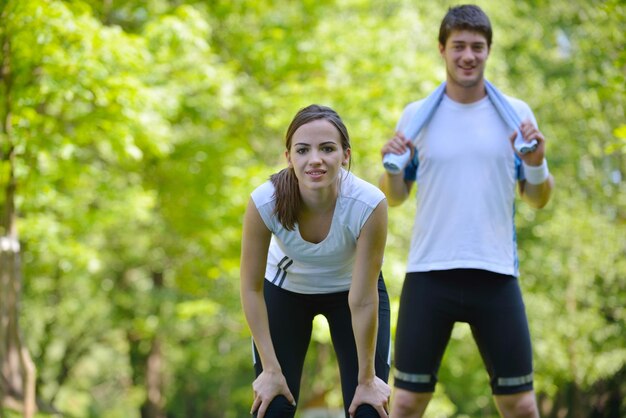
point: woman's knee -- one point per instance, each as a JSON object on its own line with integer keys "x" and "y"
{"x": 366, "y": 411}
{"x": 280, "y": 407}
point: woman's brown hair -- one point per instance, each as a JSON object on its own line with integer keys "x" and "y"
{"x": 285, "y": 182}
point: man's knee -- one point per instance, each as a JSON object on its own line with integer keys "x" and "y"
{"x": 409, "y": 404}
{"x": 521, "y": 405}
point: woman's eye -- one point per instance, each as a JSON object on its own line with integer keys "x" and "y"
{"x": 301, "y": 150}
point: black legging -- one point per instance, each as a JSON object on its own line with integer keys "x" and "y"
{"x": 291, "y": 319}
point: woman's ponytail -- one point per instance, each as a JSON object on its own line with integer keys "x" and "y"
{"x": 287, "y": 196}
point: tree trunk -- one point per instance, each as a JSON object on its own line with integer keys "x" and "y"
{"x": 573, "y": 392}
{"x": 148, "y": 367}
{"x": 153, "y": 406}
{"x": 17, "y": 385}
{"x": 17, "y": 370}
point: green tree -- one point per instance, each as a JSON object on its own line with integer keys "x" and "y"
{"x": 134, "y": 131}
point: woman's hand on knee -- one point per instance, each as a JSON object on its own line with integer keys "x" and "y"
{"x": 267, "y": 386}
{"x": 375, "y": 393}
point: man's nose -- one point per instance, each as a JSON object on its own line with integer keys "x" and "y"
{"x": 468, "y": 54}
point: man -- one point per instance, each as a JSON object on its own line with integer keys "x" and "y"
{"x": 462, "y": 264}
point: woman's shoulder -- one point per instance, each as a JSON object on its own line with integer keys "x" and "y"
{"x": 263, "y": 194}
{"x": 359, "y": 189}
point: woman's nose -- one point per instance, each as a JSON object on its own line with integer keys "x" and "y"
{"x": 316, "y": 157}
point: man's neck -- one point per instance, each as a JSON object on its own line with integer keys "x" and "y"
{"x": 465, "y": 94}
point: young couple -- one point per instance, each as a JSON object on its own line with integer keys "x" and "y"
{"x": 314, "y": 237}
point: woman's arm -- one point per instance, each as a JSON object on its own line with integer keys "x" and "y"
{"x": 254, "y": 246}
{"x": 363, "y": 299}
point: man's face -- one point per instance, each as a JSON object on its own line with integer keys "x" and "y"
{"x": 465, "y": 54}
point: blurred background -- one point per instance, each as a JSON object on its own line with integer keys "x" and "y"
{"x": 133, "y": 131}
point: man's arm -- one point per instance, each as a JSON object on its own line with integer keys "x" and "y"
{"x": 536, "y": 189}
{"x": 394, "y": 186}
{"x": 537, "y": 195}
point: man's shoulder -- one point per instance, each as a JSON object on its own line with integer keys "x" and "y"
{"x": 515, "y": 100}
{"x": 410, "y": 110}
{"x": 413, "y": 106}
{"x": 519, "y": 105}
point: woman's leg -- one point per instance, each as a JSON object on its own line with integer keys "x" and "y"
{"x": 340, "y": 322}
{"x": 290, "y": 321}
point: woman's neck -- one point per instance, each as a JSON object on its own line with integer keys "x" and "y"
{"x": 316, "y": 214}
{"x": 318, "y": 201}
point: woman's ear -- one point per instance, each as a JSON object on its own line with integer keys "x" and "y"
{"x": 346, "y": 157}
{"x": 288, "y": 157}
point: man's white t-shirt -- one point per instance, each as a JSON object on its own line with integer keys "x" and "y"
{"x": 466, "y": 173}
{"x": 326, "y": 267}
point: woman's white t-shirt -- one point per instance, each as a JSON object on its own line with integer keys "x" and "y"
{"x": 326, "y": 267}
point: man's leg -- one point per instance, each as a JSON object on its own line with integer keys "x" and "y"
{"x": 518, "y": 405}
{"x": 408, "y": 404}
{"x": 428, "y": 309}
{"x": 500, "y": 328}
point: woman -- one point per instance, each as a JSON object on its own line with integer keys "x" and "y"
{"x": 313, "y": 241}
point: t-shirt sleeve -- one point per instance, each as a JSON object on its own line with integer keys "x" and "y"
{"x": 370, "y": 197}
{"x": 263, "y": 198}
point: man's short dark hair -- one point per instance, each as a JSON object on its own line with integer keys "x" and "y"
{"x": 465, "y": 17}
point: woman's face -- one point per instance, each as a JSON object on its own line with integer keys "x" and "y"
{"x": 316, "y": 154}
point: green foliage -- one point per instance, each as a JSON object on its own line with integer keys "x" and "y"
{"x": 141, "y": 127}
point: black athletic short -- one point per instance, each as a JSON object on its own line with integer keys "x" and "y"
{"x": 491, "y": 303}
{"x": 291, "y": 318}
